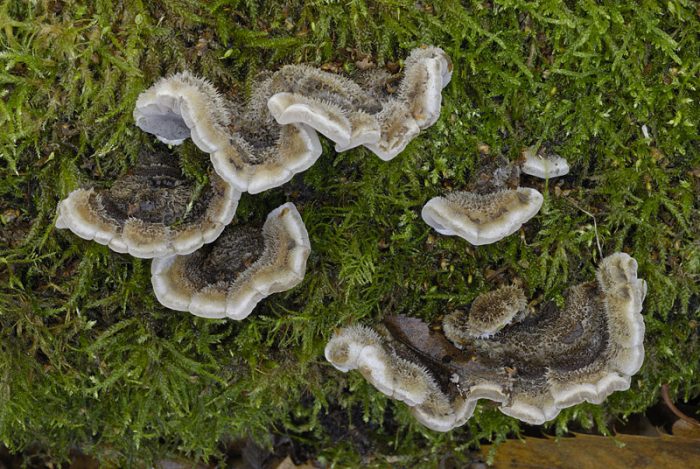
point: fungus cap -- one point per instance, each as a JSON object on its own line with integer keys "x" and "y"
{"x": 482, "y": 218}
{"x": 398, "y": 128}
{"x": 532, "y": 409}
{"x": 361, "y": 348}
{"x": 326, "y": 118}
{"x": 352, "y": 116}
{"x": 243, "y": 266}
{"x": 543, "y": 166}
{"x": 344, "y": 348}
{"x": 583, "y": 352}
{"x": 182, "y": 106}
{"x": 150, "y": 212}
{"x": 427, "y": 70}
{"x": 248, "y": 149}
{"x": 489, "y": 313}
{"x": 443, "y": 416}
{"x": 622, "y": 295}
{"x": 297, "y": 150}
{"x": 533, "y": 367}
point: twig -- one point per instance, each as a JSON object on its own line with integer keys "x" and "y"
{"x": 667, "y": 400}
{"x": 531, "y": 57}
{"x": 595, "y": 226}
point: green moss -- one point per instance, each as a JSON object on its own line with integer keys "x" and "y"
{"x": 88, "y": 357}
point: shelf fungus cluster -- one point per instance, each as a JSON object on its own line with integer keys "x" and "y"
{"x": 263, "y": 143}
{"x": 246, "y": 147}
{"x": 152, "y": 211}
{"x": 492, "y": 207}
{"x": 533, "y": 364}
{"x": 155, "y": 212}
{"x": 244, "y": 265}
{"x": 352, "y": 115}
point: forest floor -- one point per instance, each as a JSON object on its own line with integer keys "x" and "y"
{"x": 91, "y": 363}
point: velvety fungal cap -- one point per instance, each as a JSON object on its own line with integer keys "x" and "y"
{"x": 256, "y": 170}
{"x": 361, "y": 348}
{"x": 344, "y": 349}
{"x": 489, "y": 313}
{"x": 622, "y": 295}
{"x": 243, "y": 266}
{"x": 291, "y": 108}
{"x": 248, "y": 149}
{"x": 531, "y": 408}
{"x": 412, "y": 382}
{"x": 183, "y": 106}
{"x": 351, "y": 115}
{"x": 533, "y": 365}
{"x": 601, "y": 352}
{"x": 441, "y": 415}
{"x": 482, "y": 218}
{"x": 543, "y": 166}
{"x": 398, "y": 128}
{"x": 150, "y": 212}
{"x": 427, "y": 70}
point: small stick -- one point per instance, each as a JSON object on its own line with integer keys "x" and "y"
{"x": 674, "y": 409}
{"x": 595, "y": 226}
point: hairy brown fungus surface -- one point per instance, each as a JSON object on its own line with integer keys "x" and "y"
{"x": 362, "y": 348}
{"x": 352, "y": 115}
{"x": 492, "y": 208}
{"x": 489, "y": 313}
{"x": 244, "y": 265}
{"x": 152, "y": 211}
{"x": 246, "y": 146}
{"x": 533, "y": 367}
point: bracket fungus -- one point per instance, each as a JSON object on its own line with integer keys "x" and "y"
{"x": 244, "y": 265}
{"x": 152, "y": 211}
{"x": 543, "y": 164}
{"x": 533, "y": 366}
{"x": 379, "y": 359}
{"x": 488, "y": 314}
{"x": 352, "y": 115}
{"x": 494, "y": 207}
{"x": 246, "y": 146}
{"x": 263, "y": 144}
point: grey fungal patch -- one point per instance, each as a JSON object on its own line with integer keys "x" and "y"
{"x": 151, "y": 211}
{"x": 247, "y": 147}
{"x": 492, "y": 208}
{"x": 263, "y": 143}
{"x": 533, "y": 365}
{"x": 363, "y": 112}
{"x": 325, "y": 87}
{"x": 154, "y": 193}
{"x": 489, "y": 313}
{"x": 169, "y": 127}
{"x": 243, "y": 266}
{"x": 543, "y": 164}
{"x": 227, "y": 258}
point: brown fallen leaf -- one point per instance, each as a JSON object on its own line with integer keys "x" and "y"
{"x": 287, "y": 463}
{"x": 365, "y": 64}
{"x": 594, "y": 452}
{"x": 686, "y": 429}
{"x": 431, "y": 345}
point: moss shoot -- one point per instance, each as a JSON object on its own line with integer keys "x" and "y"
{"x": 89, "y": 359}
